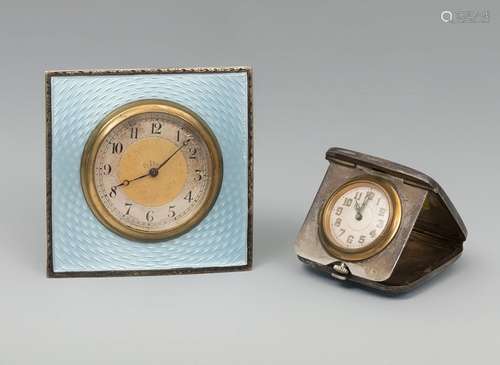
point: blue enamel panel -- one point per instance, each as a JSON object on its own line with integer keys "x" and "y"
{"x": 79, "y": 241}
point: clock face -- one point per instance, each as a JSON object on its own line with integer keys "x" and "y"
{"x": 360, "y": 219}
{"x": 151, "y": 170}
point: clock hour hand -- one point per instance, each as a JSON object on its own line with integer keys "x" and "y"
{"x": 126, "y": 182}
{"x": 152, "y": 172}
{"x": 358, "y": 216}
{"x": 356, "y": 206}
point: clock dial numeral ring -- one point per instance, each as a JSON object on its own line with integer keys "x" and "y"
{"x": 360, "y": 218}
{"x": 129, "y": 184}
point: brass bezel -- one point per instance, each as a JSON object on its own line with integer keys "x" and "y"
{"x": 328, "y": 240}
{"x": 106, "y": 126}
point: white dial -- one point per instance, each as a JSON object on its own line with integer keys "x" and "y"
{"x": 176, "y": 154}
{"x": 359, "y": 216}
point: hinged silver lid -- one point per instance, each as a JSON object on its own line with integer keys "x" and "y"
{"x": 410, "y": 176}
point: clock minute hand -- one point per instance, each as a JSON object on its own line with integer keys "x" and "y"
{"x": 173, "y": 154}
{"x": 359, "y": 209}
{"x": 368, "y": 197}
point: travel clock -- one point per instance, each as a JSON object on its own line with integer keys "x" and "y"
{"x": 149, "y": 171}
{"x": 379, "y": 224}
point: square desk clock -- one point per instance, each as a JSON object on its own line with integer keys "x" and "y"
{"x": 149, "y": 171}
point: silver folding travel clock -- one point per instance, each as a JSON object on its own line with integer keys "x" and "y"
{"x": 379, "y": 224}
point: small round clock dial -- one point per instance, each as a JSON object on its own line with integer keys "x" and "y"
{"x": 151, "y": 170}
{"x": 360, "y": 219}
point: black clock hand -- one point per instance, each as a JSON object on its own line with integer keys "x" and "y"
{"x": 126, "y": 182}
{"x": 368, "y": 197}
{"x": 172, "y": 155}
{"x": 357, "y": 208}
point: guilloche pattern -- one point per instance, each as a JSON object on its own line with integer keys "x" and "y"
{"x": 79, "y": 241}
